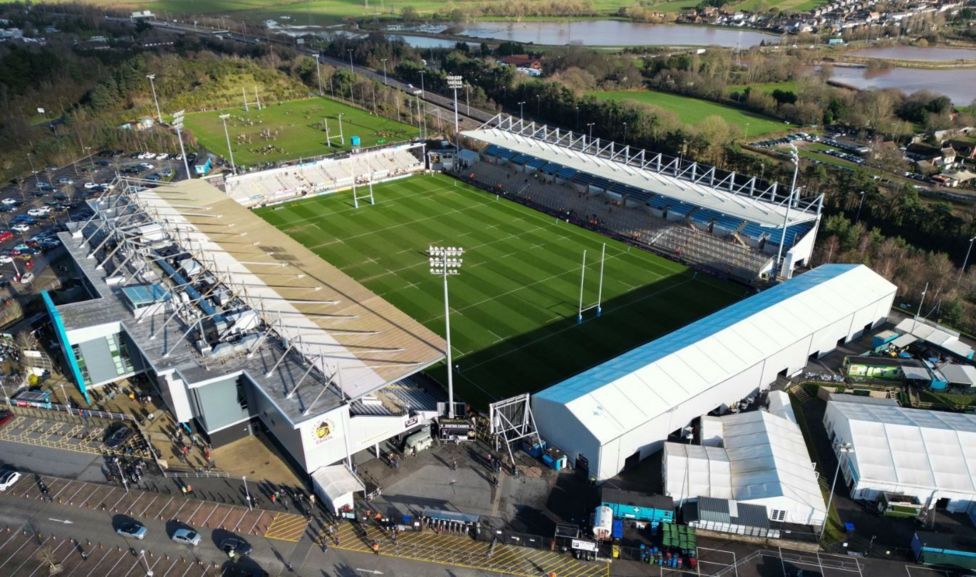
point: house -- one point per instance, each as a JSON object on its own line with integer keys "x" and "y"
{"x": 522, "y": 61}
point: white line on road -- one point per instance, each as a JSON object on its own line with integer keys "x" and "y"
{"x": 62, "y": 521}
{"x": 373, "y": 571}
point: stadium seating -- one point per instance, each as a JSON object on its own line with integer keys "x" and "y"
{"x": 328, "y": 175}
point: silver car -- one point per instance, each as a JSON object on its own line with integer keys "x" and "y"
{"x": 186, "y": 537}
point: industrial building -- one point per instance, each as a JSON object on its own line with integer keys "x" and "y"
{"x": 619, "y": 412}
{"x": 755, "y": 458}
{"x": 929, "y": 455}
{"x": 239, "y": 327}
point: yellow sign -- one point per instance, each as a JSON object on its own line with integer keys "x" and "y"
{"x": 322, "y": 431}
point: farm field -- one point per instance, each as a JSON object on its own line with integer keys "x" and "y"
{"x": 694, "y": 111}
{"x": 514, "y": 303}
{"x": 291, "y": 130}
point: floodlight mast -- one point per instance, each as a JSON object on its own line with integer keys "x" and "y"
{"x": 445, "y": 262}
{"x": 230, "y": 151}
{"x": 455, "y": 82}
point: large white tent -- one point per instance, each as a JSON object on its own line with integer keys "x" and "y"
{"x": 623, "y": 410}
{"x": 930, "y": 455}
{"x": 763, "y": 461}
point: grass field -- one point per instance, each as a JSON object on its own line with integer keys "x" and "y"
{"x": 694, "y": 111}
{"x": 515, "y": 301}
{"x": 296, "y": 127}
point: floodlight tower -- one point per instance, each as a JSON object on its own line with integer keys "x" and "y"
{"x": 152, "y": 86}
{"x": 178, "y": 125}
{"x": 446, "y": 261}
{"x": 795, "y": 159}
{"x": 230, "y": 151}
{"x": 455, "y": 82}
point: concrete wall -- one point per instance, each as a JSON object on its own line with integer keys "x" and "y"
{"x": 287, "y": 435}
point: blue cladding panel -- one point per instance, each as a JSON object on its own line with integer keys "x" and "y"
{"x": 604, "y": 374}
{"x": 69, "y": 354}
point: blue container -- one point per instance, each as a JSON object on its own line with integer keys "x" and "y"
{"x": 406, "y": 519}
{"x": 617, "y": 532}
{"x": 355, "y": 141}
{"x": 848, "y": 527}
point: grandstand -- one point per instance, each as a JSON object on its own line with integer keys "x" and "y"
{"x": 729, "y": 223}
{"x": 323, "y": 176}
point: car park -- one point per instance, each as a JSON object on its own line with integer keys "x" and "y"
{"x": 132, "y": 529}
{"x": 8, "y": 477}
{"x": 186, "y": 536}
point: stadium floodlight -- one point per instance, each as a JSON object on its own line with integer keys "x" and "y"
{"x": 795, "y": 158}
{"x": 446, "y": 261}
{"x": 178, "y": 125}
{"x": 152, "y": 85}
{"x": 455, "y": 82}
{"x": 230, "y": 151}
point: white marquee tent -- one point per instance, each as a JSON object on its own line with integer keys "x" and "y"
{"x": 930, "y": 455}
{"x": 764, "y": 461}
{"x": 623, "y": 410}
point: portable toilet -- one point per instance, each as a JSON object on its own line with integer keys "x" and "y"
{"x": 355, "y": 141}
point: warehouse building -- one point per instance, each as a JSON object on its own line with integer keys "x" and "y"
{"x": 929, "y": 455}
{"x": 756, "y": 458}
{"x": 238, "y": 327}
{"x": 617, "y": 413}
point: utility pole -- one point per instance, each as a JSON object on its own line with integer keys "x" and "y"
{"x": 318, "y": 72}
{"x": 965, "y": 261}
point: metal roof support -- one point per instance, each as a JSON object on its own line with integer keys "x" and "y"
{"x": 325, "y": 387}
{"x": 101, "y": 263}
{"x": 623, "y": 151}
{"x": 169, "y": 349}
{"x": 181, "y": 307}
{"x": 280, "y": 359}
{"x": 311, "y": 367}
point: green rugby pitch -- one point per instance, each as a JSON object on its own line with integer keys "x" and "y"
{"x": 514, "y": 303}
{"x": 297, "y": 129}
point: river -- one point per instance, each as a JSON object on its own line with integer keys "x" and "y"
{"x": 917, "y": 54}
{"x": 959, "y": 84}
{"x": 616, "y": 33}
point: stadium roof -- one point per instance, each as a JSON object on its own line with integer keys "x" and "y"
{"x": 744, "y": 206}
{"x": 339, "y": 324}
{"x": 628, "y": 391}
{"x": 914, "y": 447}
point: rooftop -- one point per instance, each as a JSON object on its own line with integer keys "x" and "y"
{"x": 356, "y": 341}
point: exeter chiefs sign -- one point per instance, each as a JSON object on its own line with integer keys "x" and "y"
{"x": 322, "y": 431}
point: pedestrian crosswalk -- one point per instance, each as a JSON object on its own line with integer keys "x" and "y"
{"x": 462, "y": 551}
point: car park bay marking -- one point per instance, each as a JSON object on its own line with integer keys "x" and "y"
{"x": 62, "y": 521}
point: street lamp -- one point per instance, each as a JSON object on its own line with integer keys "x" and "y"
{"x": 142, "y": 555}
{"x": 64, "y": 395}
{"x": 178, "y": 125}
{"x": 422, "y": 72}
{"x": 589, "y": 126}
{"x": 965, "y": 261}
{"x": 521, "y": 110}
{"x": 795, "y": 158}
{"x": 446, "y": 261}
{"x": 247, "y": 494}
{"x": 230, "y": 151}
{"x": 152, "y": 85}
{"x": 122, "y": 475}
{"x": 860, "y": 203}
{"x": 384, "y": 70}
{"x": 34, "y": 172}
{"x": 352, "y": 67}
{"x": 625, "y": 133}
{"x": 843, "y": 449}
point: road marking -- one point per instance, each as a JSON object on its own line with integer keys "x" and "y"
{"x": 71, "y": 499}
{"x": 62, "y": 521}
{"x": 143, "y": 514}
{"x": 373, "y": 571}
{"x": 205, "y": 521}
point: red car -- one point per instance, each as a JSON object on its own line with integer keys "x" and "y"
{"x": 5, "y": 235}
{"x": 5, "y": 417}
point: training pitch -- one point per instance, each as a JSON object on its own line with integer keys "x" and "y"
{"x": 292, "y": 130}
{"x": 515, "y": 301}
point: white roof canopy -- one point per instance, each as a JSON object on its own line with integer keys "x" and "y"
{"x": 910, "y": 447}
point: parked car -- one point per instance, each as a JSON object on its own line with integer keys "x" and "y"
{"x": 117, "y": 435}
{"x": 5, "y": 235}
{"x": 10, "y": 201}
{"x": 40, "y": 211}
{"x": 186, "y": 536}
{"x": 8, "y": 477}
{"x": 65, "y": 181}
{"x": 5, "y": 416}
{"x": 235, "y": 546}
{"x": 133, "y": 529}
{"x": 21, "y": 227}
